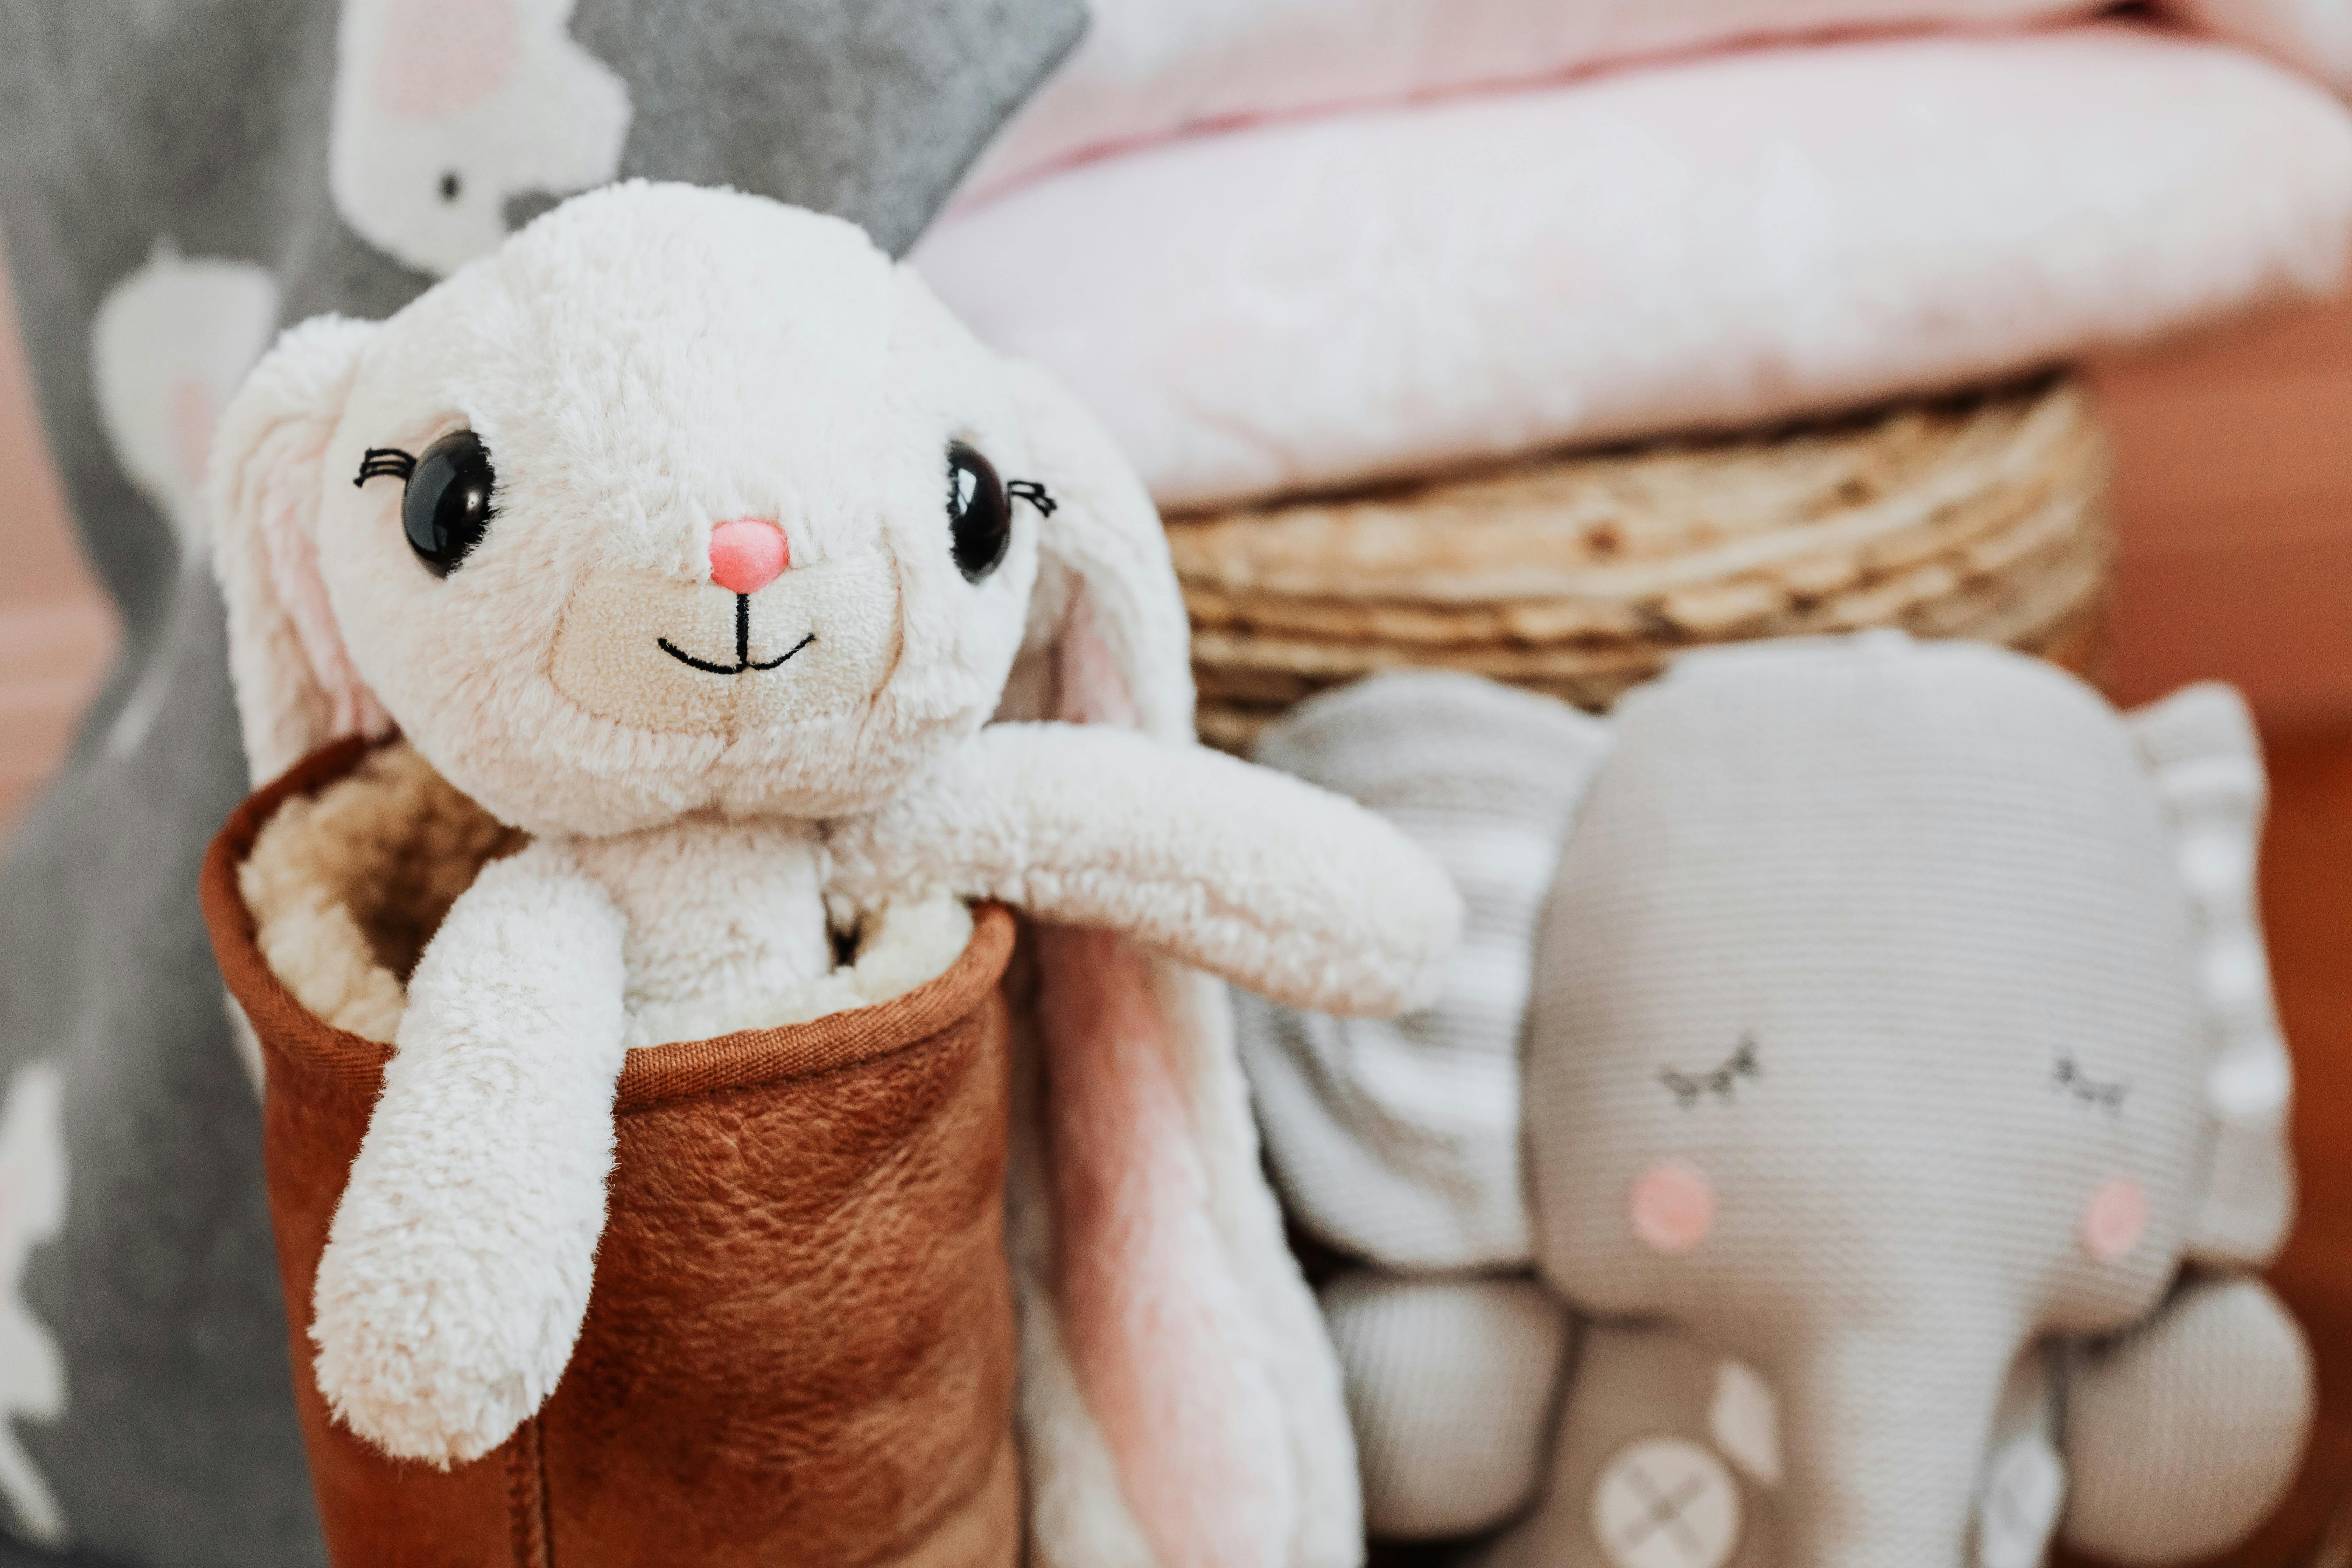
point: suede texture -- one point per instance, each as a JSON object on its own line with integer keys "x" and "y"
{"x": 800, "y": 1344}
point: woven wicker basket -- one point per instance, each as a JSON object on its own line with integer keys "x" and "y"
{"x": 1983, "y": 517}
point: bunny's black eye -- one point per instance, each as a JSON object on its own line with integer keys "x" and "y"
{"x": 979, "y": 515}
{"x": 447, "y": 509}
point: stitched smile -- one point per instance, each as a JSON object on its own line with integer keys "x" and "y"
{"x": 742, "y": 646}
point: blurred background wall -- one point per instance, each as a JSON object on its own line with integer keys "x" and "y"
{"x": 2233, "y": 483}
{"x": 2234, "y": 487}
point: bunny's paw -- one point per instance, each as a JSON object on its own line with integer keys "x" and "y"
{"x": 438, "y": 1352}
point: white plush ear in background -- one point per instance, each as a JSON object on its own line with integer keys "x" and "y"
{"x": 447, "y": 109}
{"x": 2205, "y": 758}
{"x": 167, "y": 347}
{"x": 1399, "y": 1140}
{"x": 32, "y": 1211}
{"x": 296, "y": 688}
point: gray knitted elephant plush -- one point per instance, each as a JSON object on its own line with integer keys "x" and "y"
{"x": 1869, "y": 1045}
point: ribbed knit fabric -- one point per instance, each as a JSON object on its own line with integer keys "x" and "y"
{"x": 2200, "y": 749}
{"x": 1451, "y": 1434}
{"x": 2184, "y": 1431}
{"x": 1398, "y": 1139}
{"x": 1898, "y": 1054}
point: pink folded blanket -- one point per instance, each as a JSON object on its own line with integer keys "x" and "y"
{"x": 1150, "y": 68}
{"x": 2313, "y": 35}
{"x": 1716, "y": 242}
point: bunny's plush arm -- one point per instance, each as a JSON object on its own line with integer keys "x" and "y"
{"x": 457, "y": 1268}
{"x": 2183, "y": 1434}
{"x": 1294, "y": 892}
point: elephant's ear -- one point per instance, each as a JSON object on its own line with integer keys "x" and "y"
{"x": 1399, "y": 1140}
{"x": 295, "y": 687}
{"x": 2200, "y": 749}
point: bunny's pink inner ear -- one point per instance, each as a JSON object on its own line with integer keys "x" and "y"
{"x": 1123, "y": 651}
{"x": 297, "y": 687}
{"x": 293, "y": 557}
{"x": 1090, "y": 686}
{"x": 1157, "y": 1322}
{"x": 1161, "y": 1331}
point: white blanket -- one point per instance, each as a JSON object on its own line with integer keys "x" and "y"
{"x": 1718, "y": 242}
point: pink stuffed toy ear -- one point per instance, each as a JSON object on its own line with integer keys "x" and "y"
{"x": 1156, "y": 1318}
{"x": 1154, "y": 1315}
{"x": 1107, "y": 606}
{"x": 296, "y": 688}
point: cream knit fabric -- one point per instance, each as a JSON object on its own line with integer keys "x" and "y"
{"x": 1896, "y": 1018}
{"x": 1398, "y": 1139}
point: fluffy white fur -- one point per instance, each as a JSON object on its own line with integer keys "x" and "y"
{"x": 345, "y": 885}
{"x": 1099, "y": 827}
{"x": 642, "y": 365}
{"x": 457, "y": 1267}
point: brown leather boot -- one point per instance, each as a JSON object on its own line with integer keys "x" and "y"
{"x": 800, "y": 1347}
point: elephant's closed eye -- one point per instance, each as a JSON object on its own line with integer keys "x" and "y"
{"x": 1689, "y": 1088}
{"x": 2106, "y": 1094}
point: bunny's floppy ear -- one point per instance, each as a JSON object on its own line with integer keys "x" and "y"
{"x": 1181, "y": 1405}
{"x": 2203, "y": 754}
{"x": 1107, "y": 641}
{"x": 296, "y": 688}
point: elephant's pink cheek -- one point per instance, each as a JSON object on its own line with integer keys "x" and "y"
{"x": 2114, "y": 1219}
{"x": 1672, "y": 1207}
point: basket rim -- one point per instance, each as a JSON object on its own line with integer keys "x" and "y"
{"x": 2002, "y": 453}
{"x": 295, "y": 1038}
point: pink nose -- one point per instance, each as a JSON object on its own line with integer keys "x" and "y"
{"x": 747, "y": 554}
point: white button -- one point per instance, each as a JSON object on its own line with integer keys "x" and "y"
{"x": 1666, "y": 1502}
{"x": 2025, "y": 1486}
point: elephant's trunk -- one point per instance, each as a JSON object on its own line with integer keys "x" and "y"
{"x": 1883, "y": 1437}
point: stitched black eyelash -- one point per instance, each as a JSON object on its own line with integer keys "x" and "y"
{"x": 377, "y": 461}
{"x": 1686, "y": 1087}
{"x": 2108, "y": 1094}
{"x": 1034, "y": 493}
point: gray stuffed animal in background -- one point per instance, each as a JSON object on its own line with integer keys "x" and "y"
{"x": 1869, "y": 1045}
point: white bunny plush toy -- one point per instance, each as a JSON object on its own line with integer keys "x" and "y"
{"x": 690, "y": 535}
